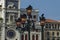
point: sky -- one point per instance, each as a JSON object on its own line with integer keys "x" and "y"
{"x": 51, "y": 8}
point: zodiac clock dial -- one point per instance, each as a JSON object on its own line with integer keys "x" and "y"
{"x": 11, "y": 33}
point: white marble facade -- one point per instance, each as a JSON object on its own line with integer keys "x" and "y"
{"x": 9, "y": 11}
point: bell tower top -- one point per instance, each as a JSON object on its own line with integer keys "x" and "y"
{"x": 9, "y": 8}
{"x": 5, "y": 3}
{"x": 13, "y": 3}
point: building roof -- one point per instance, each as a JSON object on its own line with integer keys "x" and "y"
{"x": 51, "y": 20}
{"x": 37, "y": 24}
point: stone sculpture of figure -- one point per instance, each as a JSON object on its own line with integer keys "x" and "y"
{"x": 42, "y": 18}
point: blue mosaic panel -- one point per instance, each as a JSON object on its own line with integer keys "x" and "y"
{"x": 12, "y": 1}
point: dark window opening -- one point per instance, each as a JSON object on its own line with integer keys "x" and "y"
{"x": 34, "y": 16}
{"x": 11, "y": 18}
{"x": 10, "y": 7}
{"x": 32, "y": 37}
{"x": 48, "y": 33}
{"x": 48, "y": 39}
{"x": 58, "y": 39}
{"x": 50, "y": 26}
{"x": 0, "y": 5}
{"x": 26, "y": 37}
{"x": 5, "y": 39}
{"x": 36, "y": 36}
{"x": 22, "y": 37}
{"x": 53, "y": 33}
{"x": 16, "y": 39}
{"x": 57, "y": 33}
{"x": 53, "y": 38}
{"x": 46, "y": 25}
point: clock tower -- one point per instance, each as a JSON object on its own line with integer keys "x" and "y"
{"x": 9, "y": 11}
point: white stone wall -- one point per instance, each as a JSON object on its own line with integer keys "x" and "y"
{"x": 32, "y": 33}
{"x": 19, "y": 8}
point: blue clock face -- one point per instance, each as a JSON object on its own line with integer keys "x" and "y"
{"x": 15, "y": 2}
{"x": 11, "y": 33}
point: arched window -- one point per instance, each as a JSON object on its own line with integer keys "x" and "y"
{"x": 0, "y": 6}
{"x": 22, "y": 37}
{"x": 53, "y": 33}
{"x": 46, "y": 25}
{"x": 47, "y": 33}
{"x": 26, "y": 37}
{"x": 53, "y": 38}
{"x": 58, "y": 39}
{"x": 36, "y": 36}
{"x": 52, "y": 26}
{"x": 57, "y": 33}
{"x": 49, "y": 26}
{"x": 48, "y": 39}
{"x": 33, "y": 37}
